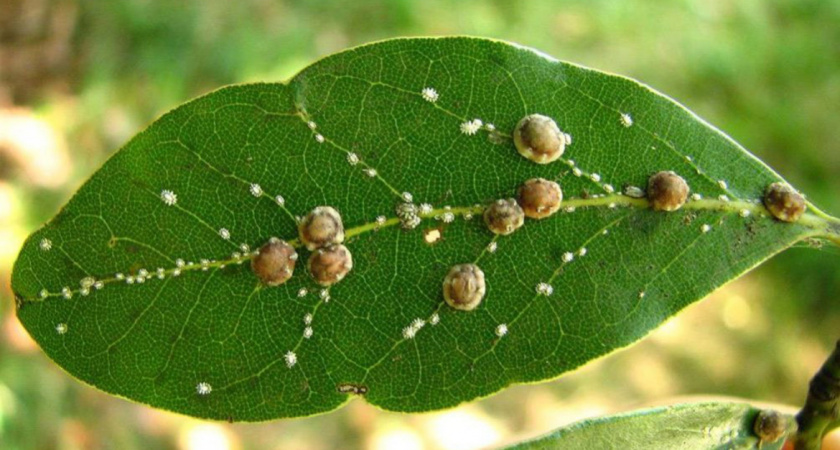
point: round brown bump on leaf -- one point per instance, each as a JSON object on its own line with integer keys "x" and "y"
{"x": 504, "y": 216}
{"x": 783, "y": 202}
{"x": 770, "y": 425}
{"x": 539, "y": 139}
{"x": 321, "y": 227}
{"x": 274, "y": 262}
{"x": 330, "y": 265}
{"x": 540, "y": 198}
{"x": 463, "y": 287}
{"x": 667, "y": 191}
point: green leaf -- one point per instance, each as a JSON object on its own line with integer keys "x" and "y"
{"x": 700, "y": 426}
{"x": 167, "y": 194}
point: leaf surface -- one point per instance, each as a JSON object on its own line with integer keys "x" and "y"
{"x": 97, "y": 285}
{"x": 701, "y": 426}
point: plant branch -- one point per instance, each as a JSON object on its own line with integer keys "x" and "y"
{"x": 820, "y": 413}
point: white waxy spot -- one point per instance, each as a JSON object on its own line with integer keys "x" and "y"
{"x": 722, "y": 184}
{"x": 744, "y": 213}
{"x": 501, "y": 330}
{"x": 689, "y": 158}
{"x": 98, "y": 285}
{"x": 380, "y": 220}
{"x": 468, "y": 216}
{"x": 642, "y": 294}
{"x": 168, "y": 197}
{"x": 448, "y": 217}
{"x": 492, "y": 247}
{"x": 609, "y": 188}
{"x": 352, "y": 158}
{"x": 291, "y": 359}
{"x": 319, "y": 138}
{"x": 312, "y": 125}
{"x": 418, "y": 323}
{"x": 471, "y": 127}
{"x": 569, "y": 209}
{"x": 409, "y": 332}
{"x": 582, "y": 251}
{"x": 605, "y": 232}
{"x": 205, "y": 264}
{"x": 280, "y": 200}
{"x": 307, "y": 319}
{"x": 577, "y": 172}
{"x": 431, "y": 236}
{"x": 45, "y": 244}
{"x": 425, "y": 208}
{"x": 568, "y": 140}
{"x": 568, "y": 257}
{"x": 696, "y": 197}
{"x": 161, "y": 274}
{"x": 723, "y": 198}
{"x": 256, "y": 189}
{"x": 302, "y": 292}
{"x": 44, "y": 293}
{"x": 119, "y": 276}
{"x": 435, "y": 319}
{"x": 325, "y": 295}
{"x": 87, "y": 282}
{"x": 61, "y": 328}
{"x": 371, "y": 172}
{"x": 595, "y": 177}
{"x": 706, "y": 228}
{"x": 430, "y": 94}
{"x": 84, "y": 292}
{"x": 244, "y": 248}
{"x": 307, "y": 332}
{"x": 626, "y": 120}
{"x": 634, "y": 192}
{"x": 178, "y": 263}
{"x": 612, "y": 206}
{"x": 176, "y": 272}
{"x": 66, "y": 293}
{"x": 545, "y": 289}
{"x": 407, "y": 197}
{"x": 224, "y": 233}
{"x": 203, "y": 388}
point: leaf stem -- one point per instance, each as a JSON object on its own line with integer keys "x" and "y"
{"x": 820, "y": 413}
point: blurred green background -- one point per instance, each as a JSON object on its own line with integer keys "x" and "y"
{"x": 78, "y": 78}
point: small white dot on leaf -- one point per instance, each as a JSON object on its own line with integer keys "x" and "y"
{"x": 696, "y": 197}
{"x": 307, "y": 332}
{"x": 577, "y": 172}
{"x": 302, "y": 292}
{"x": 224, "y": 233}
{"x": 744, "y": 213}
{"x": 168, "y": 197}
{"x": 722, "y": 184}
{"x": 501, "y": 330}
{"x": 61, "y": 328}
{"x": 595, "y": 177}
{"x": 44, "y": 293}
{"x": 319, "y": 138}
{"x": 291, "y": 359}
{"x": 568, "y": 257}
{"x": 256, "y": 190}
{"x": 705, "y": 228}
{"x": 545, "y": 289}
{"x": 307, "y": 319}
{"x": 66, "y": 293}
{"x": 435, "y": 319}
{"x": 203, "y": 388}
{"x": 280, "y": 200}
{"x": 371, "y": 172}
{"x": 45, "y": 244}
{"x": 492, "y": 247}
{"x": 626, "y": 120}
{"x": 430, "y": 94}
{"x": 352, "y": 158}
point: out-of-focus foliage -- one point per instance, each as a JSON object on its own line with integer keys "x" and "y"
{"x": 94, "y": 72}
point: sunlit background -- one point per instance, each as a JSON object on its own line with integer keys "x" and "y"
{"x": 78, "y": 78}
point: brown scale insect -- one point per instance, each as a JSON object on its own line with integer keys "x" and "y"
{"x": 539, "y": 139}
{"x": 275, "y": 262}
{"x": 321, "y": 227}
{"x": 783, "y": 202}
{"x": 539, "y": 198}
{"x": 330, "y": 265}
{"x": 464, "y": 287}
{"x": 667, "y": 191}
{"x": 770, "y": 425}
{"x": 504, "y": 216}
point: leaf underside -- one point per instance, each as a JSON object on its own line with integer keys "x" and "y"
{"x": 215, "y": 329}
{"x": 700, "y": 426}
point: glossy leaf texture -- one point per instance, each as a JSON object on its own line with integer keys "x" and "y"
{"x": 700, "y": 426}
{"x": 141, "y": 285}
